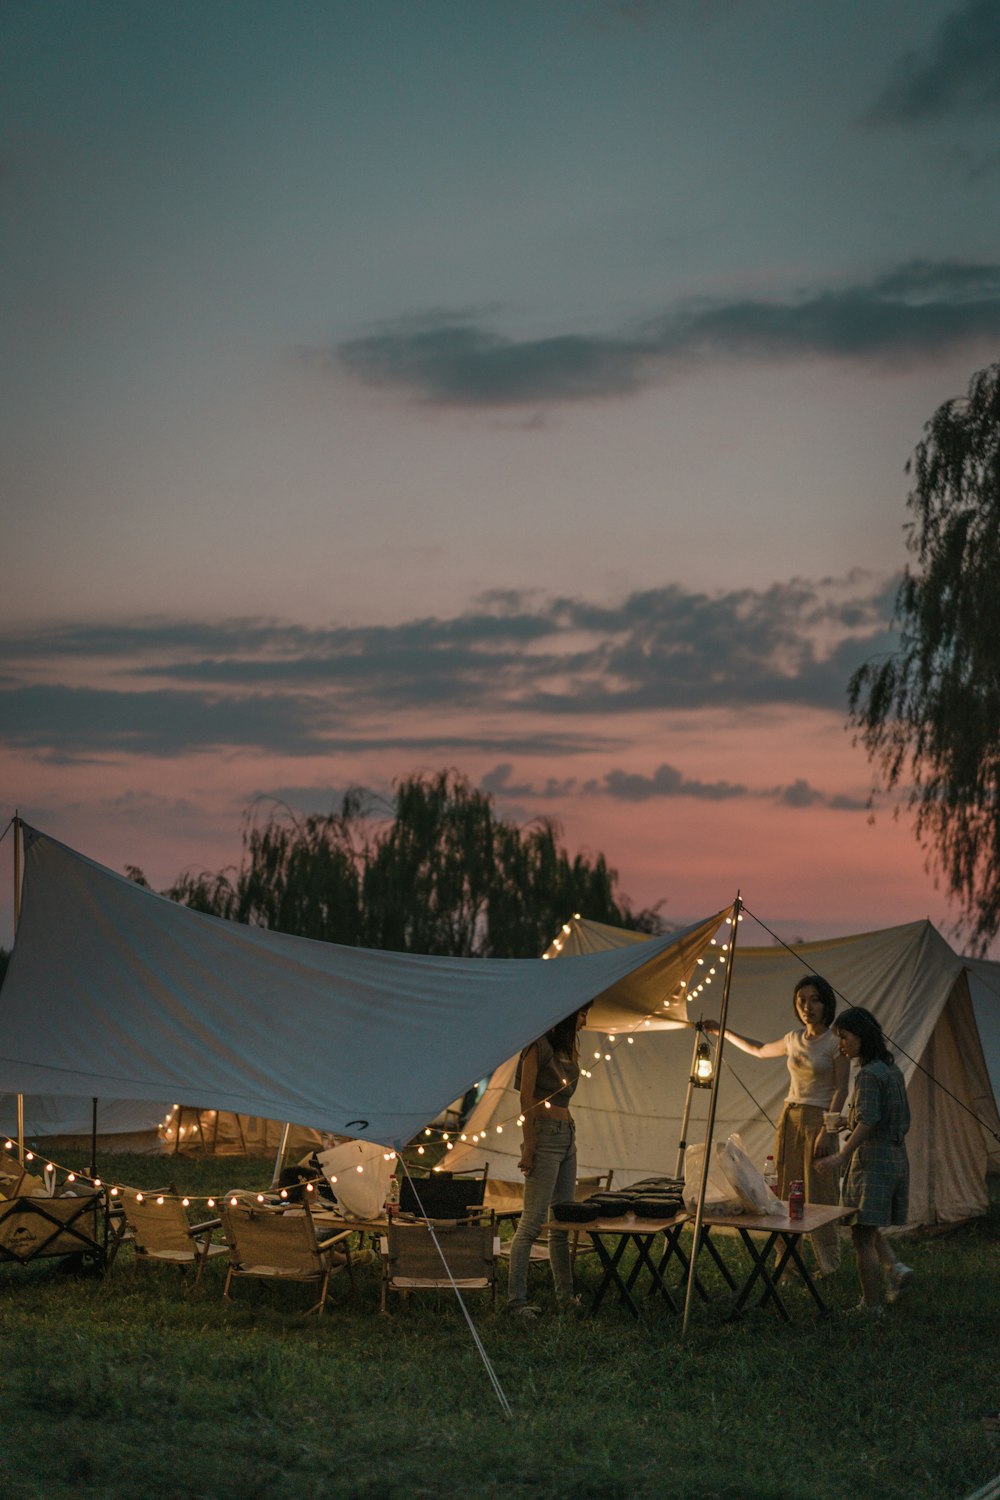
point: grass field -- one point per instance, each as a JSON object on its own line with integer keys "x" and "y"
{"x": 122, "y": 1387}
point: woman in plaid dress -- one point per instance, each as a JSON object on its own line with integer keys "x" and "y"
{"x": 877, "y": 1181}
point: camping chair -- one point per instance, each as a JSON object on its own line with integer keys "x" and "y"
{"x": 444, "y": 1195}
{"x": 280, "y": 1245}
{"x": 161, "y": 1234}
{"x": 412, "y": 1256}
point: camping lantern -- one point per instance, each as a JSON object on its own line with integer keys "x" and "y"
{"x": 704, "y": 1066}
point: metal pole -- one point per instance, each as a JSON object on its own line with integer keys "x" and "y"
{"x": 282, "y": 1147}
{"x": 17, "y": 920}
{"x": 685, "y": 1119}
{"x": 93, "y": 1138}
{"x": 700, "y": 1210}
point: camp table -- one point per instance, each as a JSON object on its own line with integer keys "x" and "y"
{"x": 611, "y": 1238}
{"x": 778, "y": 1230}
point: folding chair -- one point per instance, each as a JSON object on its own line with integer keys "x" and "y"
{"x": 444, "y": 1195}
{"x": 162, "y": 1235}
{"x": 276, "y": 1244}
{"x": 426, "y": 1256}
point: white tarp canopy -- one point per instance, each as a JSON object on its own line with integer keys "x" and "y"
{"x": 628, "y": 1113}
{"x": 114, "y": 992}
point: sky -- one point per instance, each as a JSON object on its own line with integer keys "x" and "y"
{"x": 393, "y": 385}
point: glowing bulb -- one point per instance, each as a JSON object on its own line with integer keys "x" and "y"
{"x": 450, "y": 1146}
{"x": 359, "y": 1168}
{"x": 186, "y": 1202}
{"x": 114, "y": 1192}
{"x": 283, "y": 1193}
{"x": 29, "y": 1156}
{"x": 630, "y": 1040}
{"x": 210, "y": 1203}
{"x": 607, "y": 1057}
{"x": 463, "y": 1136}
{"x": 139, "y": 1198}
{"x": 260, "y": 1197}
{"x": 427, "y": 1131}
{"x": 420, "y": 1150}
{"x": 97, "y": 1182}
{"x": 566, "y": 927}
{"x": 547, "y": 1104}
{"x": 232, "y": 1203}
{"x": 160, "y": 1200}
{"x": 597, "y": 1054}
{"x": 333, "y": 1179}
{"x": 72, "y": 1178}
{"x": 499, "y": 1130}
{"x": 309, "y": 1187}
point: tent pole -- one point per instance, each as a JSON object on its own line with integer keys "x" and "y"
{"x": 685, "y": 1119}
{"x": 703, "y": 1188}
{"x": 17, "y": 920}
{"x": 282, "y": 1148}
{"x": 93, "y": 1138}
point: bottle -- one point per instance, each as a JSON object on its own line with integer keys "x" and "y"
{"x": 796, "y": 1200}
{"x": 771, "y": 1174}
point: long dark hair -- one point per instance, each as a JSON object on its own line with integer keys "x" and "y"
{"x": 862, "y": 1024}
{"x": 824, "y": 990}
{"x": 562, "y": 1036}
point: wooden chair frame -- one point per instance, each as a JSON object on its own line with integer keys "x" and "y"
{"x": 162, "y": 1234}
{"x": 412, "y": 1255}
{"x": 279, "y": 1244}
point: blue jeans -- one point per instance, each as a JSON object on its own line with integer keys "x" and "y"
{"x": 552, "y": 1179}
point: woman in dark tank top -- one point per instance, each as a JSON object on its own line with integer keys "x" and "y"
{"x": 547, "y": 1075}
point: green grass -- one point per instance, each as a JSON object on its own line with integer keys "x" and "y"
{"x": 122, "y": 1387}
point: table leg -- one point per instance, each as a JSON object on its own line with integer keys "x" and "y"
{"x": 759, "y": 1260}
{"x": 644, "y": 1244}
{"x": 609, "y": 1264}
{"x": 720, "y": 1265}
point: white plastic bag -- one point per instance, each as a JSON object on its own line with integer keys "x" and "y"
{"x": 360, "y": 1193}
{"x": 719, "y": 1196}
{"x": 746, "y": 1181}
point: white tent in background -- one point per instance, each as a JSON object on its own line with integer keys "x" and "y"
{"x": 55, "y": 1124}
{"x": 116, "y": 993}
{"x": 628, "y": 1113}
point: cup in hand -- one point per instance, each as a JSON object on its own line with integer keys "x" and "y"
{"x": 831, "y": 1121}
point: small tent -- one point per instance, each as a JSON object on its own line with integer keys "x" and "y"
{"x": 628, "y": 1112}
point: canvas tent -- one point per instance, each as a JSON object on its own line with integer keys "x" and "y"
{"x": 57, "y": 1124}
{"x": 628, "y": 1113}
{"x": 115, "y": 992}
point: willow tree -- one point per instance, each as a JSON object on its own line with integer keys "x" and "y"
{"x": 929, "y": 714}
{"x": 437, "y": 871}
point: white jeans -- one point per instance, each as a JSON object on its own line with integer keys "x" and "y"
{"x": 552, "y": 1179}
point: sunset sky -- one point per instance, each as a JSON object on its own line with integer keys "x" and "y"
{"x": 521, "y": 387}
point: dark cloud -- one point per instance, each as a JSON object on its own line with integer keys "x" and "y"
{"x": 522, "y": 663}
{"x": 958, "y": 74}
{"x": 665, "y": 782}
{"x": 911, "y": 313}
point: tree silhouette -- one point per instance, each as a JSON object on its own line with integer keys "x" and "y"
{"x": 440, "y": 872}
{"x": 929, "y": 714}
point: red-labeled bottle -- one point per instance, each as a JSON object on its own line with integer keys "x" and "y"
{"x": 796, "y": 1199}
